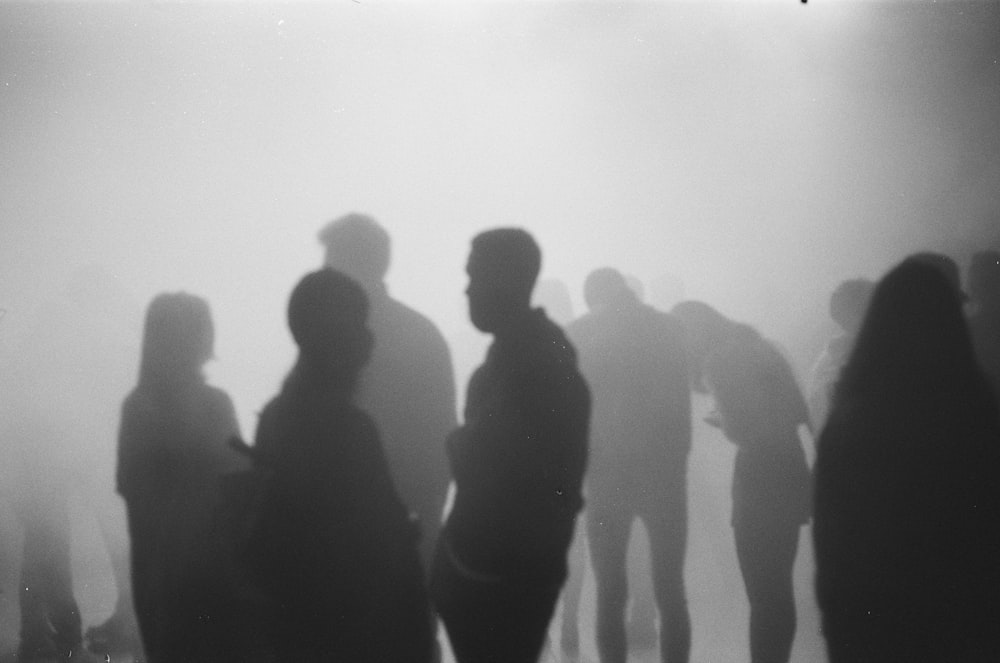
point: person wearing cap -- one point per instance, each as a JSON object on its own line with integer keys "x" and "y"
{"x": 517, "y": 462}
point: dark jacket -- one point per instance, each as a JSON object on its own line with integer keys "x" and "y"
{"x": 336, "y": 548}
{"x": 519, "y": 460}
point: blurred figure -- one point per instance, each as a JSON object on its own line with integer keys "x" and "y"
{"x": 760, "y": 409}
{"x": 907, "y": 525}
{"x": 634, "y": 359}
{"x": 518, "y": 464}
{"x": 408, "y": 387}
{"x": 984, "y": 322}
{"x": 171, "y": 453}
{"x": 848, "y": 304}
{"x": 61, "y": 396}
{"x": 337, "y": 550}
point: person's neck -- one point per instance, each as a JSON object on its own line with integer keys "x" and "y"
{"x": 512, "y": 323}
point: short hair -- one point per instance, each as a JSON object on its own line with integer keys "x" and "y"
{"x": 511, "y": 255}
{"x": 604, "y": 286}
{"x": 322, "y": 303}
{"x": 361, "y": 241}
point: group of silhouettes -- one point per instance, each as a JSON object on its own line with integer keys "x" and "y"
{"x": 328, "y": 538}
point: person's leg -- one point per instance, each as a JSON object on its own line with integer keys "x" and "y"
{"x": 607, "y": 536}
{"x": 50, "y": 618}
{"x": 640, "y": 624}
{"x": 766, "y": 554}
{"x": 119, "y": 632}
{"x": 667, "y": 528}
{"x": 577, "y": 563}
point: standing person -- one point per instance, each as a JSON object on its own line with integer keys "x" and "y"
{"x": 408, "y": 386}
{"x": 907, "y": 525}
{"x": 61, "y": 395}
{"x": 760, "y": 409}
{"x": 172, "y": 451}
{"x": 335, "y": 548}
{"x": 518, "y": 465}
{"x": 848, "y": 304}
{"x": 635, "y": 361}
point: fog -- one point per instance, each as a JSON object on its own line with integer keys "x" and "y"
{"x": 756, "y": 152}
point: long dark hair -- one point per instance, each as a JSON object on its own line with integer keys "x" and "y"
{"x": 913, "y": 339}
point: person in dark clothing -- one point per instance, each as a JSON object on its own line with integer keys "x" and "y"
{"x": 760, "y": 408}
{"x": 517, "y": 462}
{"x": 907, "y": 524}
{"x": 172, "y": 451}
{"x": 335, "y": 547}
{"x": 848, "y": 304}
{"x": 635, "y": 361}
{"x": 408, "y": 386}
{"x": 984, "y": 322}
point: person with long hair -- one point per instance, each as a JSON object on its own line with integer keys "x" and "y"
{"x": 335, "y": 548}
{"x": 172, "y": 450}
{"x": 906, "y": 495}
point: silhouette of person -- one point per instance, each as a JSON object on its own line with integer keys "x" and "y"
{"x": 172, "y": 452}
{"x": 635, "y": 361}
{"x": 408, "y": 386}
{"x": 760, "y": 409}
{"x": 517, "y": 462}
{"x": 62, "y": 392}
{"x": 336, "y": 549}
{"x": 848, "y": 304}
{"x": 906, "y": 527}
{"x": 553, "y": 296}
{"x": 984, "y": 322}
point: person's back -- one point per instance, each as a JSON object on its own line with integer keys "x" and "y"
{"x": 335, "y": 551}
{"x": 408, "y": 386}
{"x": 635, "y": 361}
{"x": 172, "y": 452}
{"x": 906, "y": 532}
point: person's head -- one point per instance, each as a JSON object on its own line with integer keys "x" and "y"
{"x": 913, "y": 336}
{"x": 178, "y": 339}
{"x": 945, "y": 265}
{"x": 604, "y": 288}
{"x": 357, "y": 246}
{"x": 503, "y": 266}
{"x": 706, "y": 329}
{"x": 328, "y": 315}
{"x": 849, "y": 302}
{"x": 984, "y": 279}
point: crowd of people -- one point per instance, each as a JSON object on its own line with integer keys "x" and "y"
{"x": 332, "y": 537}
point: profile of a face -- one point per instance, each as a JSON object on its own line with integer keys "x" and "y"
{"x": 490, "y": 299}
